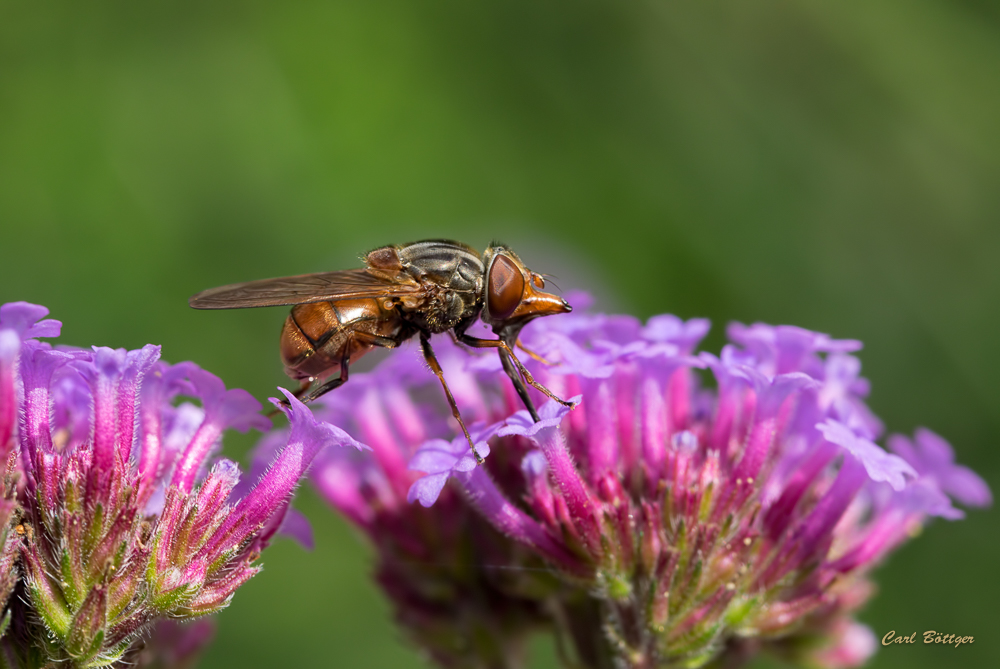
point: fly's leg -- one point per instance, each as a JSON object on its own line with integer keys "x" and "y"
{"x": 508, "y": 359}
{"x": 425, "y": 345}
{"x": 336, "y": 382}
{"x": 519, "y": 386}
{"x": 534, "y": 355}
{"x": 303, "y": 388}
{"x": 345, "y": 361}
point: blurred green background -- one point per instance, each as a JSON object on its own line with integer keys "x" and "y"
{"x": 834, "y": 165}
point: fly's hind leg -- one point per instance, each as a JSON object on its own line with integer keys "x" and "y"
{"x": 335, "y": 382}
{"x": 425, "y": 344}
{"x": 345, "y": 362}
{"x": 303, "y": 389}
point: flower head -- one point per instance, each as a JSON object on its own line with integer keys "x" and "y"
{"x": 693, "y": 508}
{"x": 124, "y": 517}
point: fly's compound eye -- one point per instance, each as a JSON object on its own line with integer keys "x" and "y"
{"x": 538, "y": 281}
{"x": 506, "y": 288}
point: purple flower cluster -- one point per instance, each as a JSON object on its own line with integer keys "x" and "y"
{"x": 693, "y": 508}
{"x": 114, "y": 515}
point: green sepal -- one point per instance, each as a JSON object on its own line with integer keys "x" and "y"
{"x": 110, "y": 657}
{"x": 706, "y": 502}
{"x": 738, "y": 611}
{"x": 173, "y": 599}
{"x": 71, "y": 498}
{"x": 94, "y": 530}
{"x": 619, "y": 587}
{"x": 221, "y": 561}
{"x": 71, "y": 589}
{"x": 54, "y": 614}
{"x": 92, "y": 651}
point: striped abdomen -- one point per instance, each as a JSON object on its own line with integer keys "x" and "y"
{"x": 316, "y": 337}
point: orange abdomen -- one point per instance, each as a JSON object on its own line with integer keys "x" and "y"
{"x": 316, "y": 337}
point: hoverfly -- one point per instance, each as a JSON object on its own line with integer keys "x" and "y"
{"x": 423, "y": 288}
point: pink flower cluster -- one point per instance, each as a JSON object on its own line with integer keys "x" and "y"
{"x": 693, "y": 508}
{"x": 112, "y": 512}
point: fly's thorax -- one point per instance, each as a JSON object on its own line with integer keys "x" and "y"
{"x": 451, "y": 274}
{"x": 449, "y": 264}
{"x": 442, "y": 309}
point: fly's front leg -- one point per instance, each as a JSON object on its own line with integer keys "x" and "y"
{"x": 519, "y": 386}
{"x": 534, "y": 355}
{"x": 425, "y": 344}
{"x": 508, "y": 359}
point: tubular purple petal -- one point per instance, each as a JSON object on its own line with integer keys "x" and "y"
{"x": 894, "y": 522}
{"x": 104, "y": 375}
{"x": 341, "y": 476}
{"x": 441, "y": 459}
{"x": 10, "y": 345}
{"x": 508, "y": 519}
{"x": 932, "y": 457}
{"x": 224, "y": 409}
{"x": 308, "y": 436}
{"x": 296, "y": 526}
{"x": 375, "y": 431}
{"x": 653, "y": 421}
{"x": 235, "y": 409}
{"x": 817, "y": 527}
{"x": 670, "y": 328}
{"x": 194, "y": 455}
{"x": 778, "y": 515}
{"x": 158, "y": 388}
{"x": 25, "y": 319}
{"x": 602, "y": 430}
{"x": 137, "y": 365}
{"x": 758, "y": 447}
{"x": 549, "y": 439}
{"x": 37, "y": 364}
{"x": 881, "y": 466}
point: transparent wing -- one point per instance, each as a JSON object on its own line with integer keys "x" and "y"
{"x": 320, "y": 287}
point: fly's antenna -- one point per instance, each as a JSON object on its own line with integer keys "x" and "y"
{"x": 550, "y": 278}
